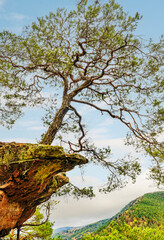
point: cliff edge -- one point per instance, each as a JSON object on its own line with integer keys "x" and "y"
{"x": 29, "y": 175}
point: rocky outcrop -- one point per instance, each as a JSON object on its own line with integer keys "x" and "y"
{"x": 29, "y": 175}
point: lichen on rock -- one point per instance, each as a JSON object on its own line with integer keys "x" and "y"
{"x": 29, "y": 175}
{"x": 14, "y": 153}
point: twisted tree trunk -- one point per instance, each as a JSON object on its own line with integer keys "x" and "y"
{"x": 57, "y": 121}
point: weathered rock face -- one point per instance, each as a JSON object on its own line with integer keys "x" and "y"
{"x": 29, "y": 175}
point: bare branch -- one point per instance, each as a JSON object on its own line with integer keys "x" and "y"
{"x": 137, "y": 132}
{"x": 79, "y": 55}
{"x": 39, "y": 224}
{"x": 81, "y": 129}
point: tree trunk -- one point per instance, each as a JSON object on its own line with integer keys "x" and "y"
{"x": 57, "y": 121}
{"x": 18, "y": 233}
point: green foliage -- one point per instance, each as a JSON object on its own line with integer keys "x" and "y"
{"x": 157, "y": 172}
{"x": 150, "y": 208}
{"x": 44, "y": 231}
{"x": 79, "y": 233}
{"x": 144, "y": 219}
{"x": 70, "y": 189}
{"x": 125, "y": 232}
{"x": 36, "y": 228}
{"x": 19, "y": 152}
{"x": 89, "y": 56}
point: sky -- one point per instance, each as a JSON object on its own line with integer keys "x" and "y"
{"x": 14, "y": 15}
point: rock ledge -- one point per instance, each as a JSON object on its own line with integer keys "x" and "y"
{"x": 29, "y": 175}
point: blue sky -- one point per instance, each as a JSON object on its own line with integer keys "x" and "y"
{"x": 14, "y": 15}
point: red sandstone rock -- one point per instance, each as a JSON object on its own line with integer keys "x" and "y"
{"x": 29, "y": 175}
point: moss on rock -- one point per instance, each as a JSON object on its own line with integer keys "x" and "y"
{"x": 17, "y": 152}
{"x": 29, "y": 175}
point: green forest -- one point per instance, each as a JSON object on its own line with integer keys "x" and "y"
{"x": 79, "y": 83}
{"x": 141, "y": 219}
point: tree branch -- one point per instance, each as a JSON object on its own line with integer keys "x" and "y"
{"x": 39, "y": 224}
{"x": 137, "y": 132}
{"x": 81, "y": 129}
{"x": 77, "y": 55}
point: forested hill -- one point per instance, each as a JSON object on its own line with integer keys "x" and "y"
{"x": 78, "y": 233}
{"x": 142, "y": 218}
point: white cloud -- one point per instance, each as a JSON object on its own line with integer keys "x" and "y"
{"x": 84, "y": 110}
{"x": 1, "y": 2}
{"x": 161, "y": 137}
{"x": 97, "y": 133}
{"x": 37, "y": 128}
{"x": 18, "y": 140}
{"x": 28, "y": 123}
{"x": 107, "y": 122}
{"x": 117, "y": 145}
{"x": 32, "y": 125}
{"x": 70, "y": 212}
{"x": 82, "y": 181}
{"x": 12, "y": 16}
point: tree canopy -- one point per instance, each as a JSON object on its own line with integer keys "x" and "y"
{"x": 89, "y": 57}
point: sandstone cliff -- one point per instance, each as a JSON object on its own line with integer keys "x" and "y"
{"x": 29, "y": 175}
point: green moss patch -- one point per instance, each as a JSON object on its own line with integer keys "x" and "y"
{"x": 16, "y": 152}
